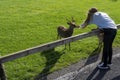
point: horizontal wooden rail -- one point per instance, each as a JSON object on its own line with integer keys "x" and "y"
{"x": 47, "y": 46}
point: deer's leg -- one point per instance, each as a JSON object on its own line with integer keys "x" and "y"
{"x": 65, "y": 47}
{"x": 100, "y": 38}
{"x": 69, "y": 47}
{"x": 57, "y": 36}
{"x": 99, "y": 44}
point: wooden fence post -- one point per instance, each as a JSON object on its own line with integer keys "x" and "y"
{"x": 2, "y": 73}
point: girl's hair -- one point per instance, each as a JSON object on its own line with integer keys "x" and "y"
{"x": 93, "y": 10}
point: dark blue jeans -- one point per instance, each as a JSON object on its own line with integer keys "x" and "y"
{"x": 109, "y": 36}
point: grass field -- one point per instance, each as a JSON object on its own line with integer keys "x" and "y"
{"x": 28, "y": 23}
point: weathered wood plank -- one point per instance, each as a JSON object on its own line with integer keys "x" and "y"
{"x": 2, "y": 73}
{"x": 45, "y": 46}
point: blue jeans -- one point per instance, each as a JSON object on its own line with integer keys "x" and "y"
{"x": 109, "y": 36}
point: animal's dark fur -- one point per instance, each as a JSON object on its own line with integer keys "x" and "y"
{"x": 64, "y": 32}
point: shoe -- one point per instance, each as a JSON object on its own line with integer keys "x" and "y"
{"x": 102, "y": 66}
{"x": 109, "y": 64}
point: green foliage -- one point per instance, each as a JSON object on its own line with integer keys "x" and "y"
{"x": 28, "y": 23}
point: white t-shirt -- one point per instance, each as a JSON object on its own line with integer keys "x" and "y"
{"x": 102, "y": 20}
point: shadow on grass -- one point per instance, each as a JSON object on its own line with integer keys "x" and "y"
{"x": 93, "y": 57}
{"x": 52, "y": 57}
{"x": 96, "y": 74}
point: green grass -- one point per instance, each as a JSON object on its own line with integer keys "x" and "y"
{"x": 28, "y": 23}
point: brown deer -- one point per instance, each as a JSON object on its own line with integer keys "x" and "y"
{"x": 100, "y": 38}
{"x": 64, "y": 32}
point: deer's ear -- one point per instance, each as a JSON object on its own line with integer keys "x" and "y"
{"x": 72, "y": 19}
{"x": 69, "y": 23}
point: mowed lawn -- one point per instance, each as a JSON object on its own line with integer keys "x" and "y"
{"x": 28, "y": 23}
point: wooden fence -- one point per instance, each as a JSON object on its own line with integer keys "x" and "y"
{"x": 41, "y": 48}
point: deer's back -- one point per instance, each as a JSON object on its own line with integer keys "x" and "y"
{"x": 64, "y": 32}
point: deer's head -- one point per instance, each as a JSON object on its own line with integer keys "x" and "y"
{"x": 72, "y": 23}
